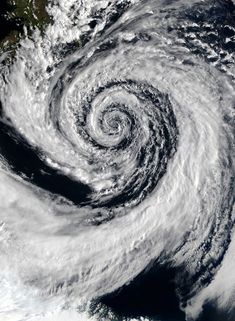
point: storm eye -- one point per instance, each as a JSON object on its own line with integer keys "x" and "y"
{"x": 125, "y": 123}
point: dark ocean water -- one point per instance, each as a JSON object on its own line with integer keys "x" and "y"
{"x": 151, "y": 294}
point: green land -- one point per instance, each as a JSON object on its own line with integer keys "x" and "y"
{"x": 27, "y": 13}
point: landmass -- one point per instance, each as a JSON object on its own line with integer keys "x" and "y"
{"x": 16, "y": 15}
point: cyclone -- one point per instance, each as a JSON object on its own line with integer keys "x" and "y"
{"x": 116, "y": 151}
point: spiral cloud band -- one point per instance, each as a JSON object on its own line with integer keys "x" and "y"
{"x": 117, "y": 153}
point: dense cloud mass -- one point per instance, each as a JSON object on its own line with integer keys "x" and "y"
{"x": 117, "y": 155}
